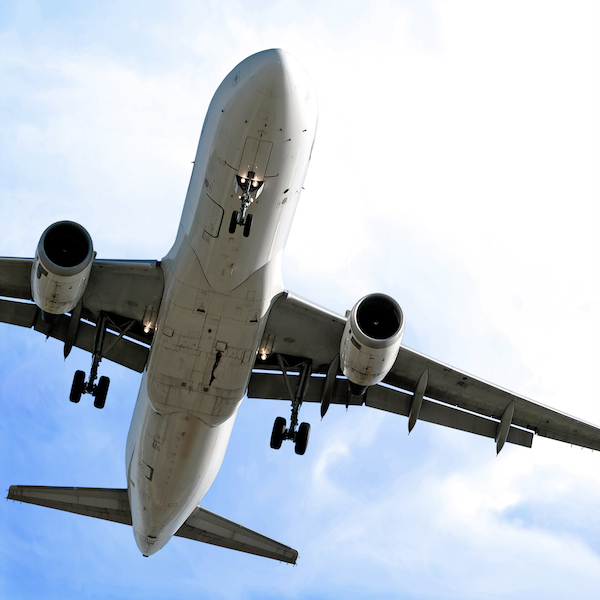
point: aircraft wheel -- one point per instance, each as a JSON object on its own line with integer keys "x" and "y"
{"x": 247, "y": 225}
{"x": 234, "y": 221}
{"x": 77, "y": 387}
{"x": 302, "y": 438}
{"x": 278, "y": 433}
{"x": 101, "y": 392}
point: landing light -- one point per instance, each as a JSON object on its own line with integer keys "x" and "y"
{"x": 243, "y": 180}
{"x": 263, "y": 354}
{"x": 149, "y": 319}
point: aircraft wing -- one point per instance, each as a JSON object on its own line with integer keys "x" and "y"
{"x": 299, "y": 330}
{"x": 120, "y": 289}
{"x": 113, "y": 505}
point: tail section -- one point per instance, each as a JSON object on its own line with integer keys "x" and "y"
{"x": 113, "y": 505}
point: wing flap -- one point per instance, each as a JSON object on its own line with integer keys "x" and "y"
{"x": 113, "y": 505}
{"x": 14, "y": 277}
{"x": 271, "y": 385}
{"x": 457, "y": 388}
{"x": 398, "y": 402}
{"x": 125, "y": 352}
{"x": 18, "y": 313}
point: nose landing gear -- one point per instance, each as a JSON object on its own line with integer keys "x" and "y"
{"x": 251, "y": 189}
{"x": 299, "y": 435}
{"x": 236, "y": 220}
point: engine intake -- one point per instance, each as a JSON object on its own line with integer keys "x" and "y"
{"x": 61, "y": 268}
{"x": 371, "y": 341}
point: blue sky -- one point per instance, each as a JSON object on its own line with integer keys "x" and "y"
{"x": 456, "y": 168}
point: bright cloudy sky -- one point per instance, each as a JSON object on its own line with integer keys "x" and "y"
{"x": 456, "y": 168}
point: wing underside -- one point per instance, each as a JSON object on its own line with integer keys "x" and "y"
{"x": 271, "y": 385}
{"x": 300, "y": 330}
{"x": 119, "y": 295}
{"x": 113, "y": 505}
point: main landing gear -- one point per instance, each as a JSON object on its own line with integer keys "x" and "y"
{"x": 248, "y": 185}
{"x": 80, "y": 387}
{"x": 98, "y": 391}
{"x": 299, "y": 435}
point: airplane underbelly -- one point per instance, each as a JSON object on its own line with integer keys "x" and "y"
{"x": 172, "y": 461}
{"x": 206, "y": 341}
{"x": 197, "y": 374}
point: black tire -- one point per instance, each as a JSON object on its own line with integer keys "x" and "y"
{"x": 302, "y": 438}
{"x": 235, "y": 215}
{"x": 278, "y": 433}
{"x": 77, "y": 387}
{"x": 101, "y": 392}
{"x": 247, "y": 225}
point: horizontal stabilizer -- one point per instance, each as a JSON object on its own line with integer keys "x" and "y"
{"x": 205, "y": 526}
{"x": 113, "y": 505}
{"x": 102, "y": 503}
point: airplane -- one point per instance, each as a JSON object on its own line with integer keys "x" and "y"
{"x": 212, "y": 323}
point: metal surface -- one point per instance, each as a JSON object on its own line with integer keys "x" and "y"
{"x": 113, "y": 505}
{"x": 300, "y": 328}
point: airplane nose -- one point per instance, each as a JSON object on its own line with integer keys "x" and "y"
{"x": 271, "y": 75}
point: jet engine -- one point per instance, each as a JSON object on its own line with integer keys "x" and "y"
{"x": 61, "y": 268}
{"x": 371, "y": 341}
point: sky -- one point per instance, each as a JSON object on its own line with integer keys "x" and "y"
{"x": 456, "y": 168}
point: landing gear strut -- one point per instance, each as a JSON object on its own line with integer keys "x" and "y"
{"x": 99, "y": 391}
{"x": 299, "y": 435}
{"x": 248, "y": 186}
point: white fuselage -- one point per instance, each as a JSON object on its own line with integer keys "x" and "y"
{"x": 218, "y": 290}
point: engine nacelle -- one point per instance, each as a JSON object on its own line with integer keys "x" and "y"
{"x": 61, "y": 268}
{"x": 371, "y": 341}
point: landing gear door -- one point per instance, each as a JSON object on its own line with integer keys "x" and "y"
{"x": 255, "y": 158}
